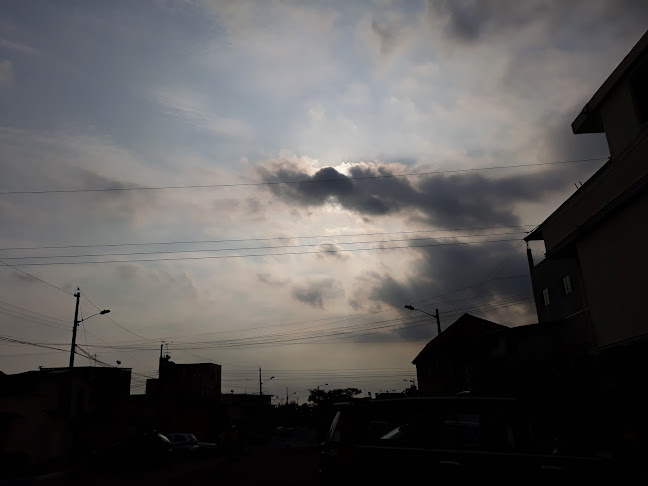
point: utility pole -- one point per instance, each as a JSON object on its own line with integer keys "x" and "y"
{"x": 74, "y": 328}
{"x": 286, "y": 395}
{"x": 260, "y": 384}
{"x": 438, "y": 321}
{"x": 435, "y": 315}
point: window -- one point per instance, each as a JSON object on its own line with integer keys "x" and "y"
{"x": 545, "y": 295}
{"x": 567, "y": 285}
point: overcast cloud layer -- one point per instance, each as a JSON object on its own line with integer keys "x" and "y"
{"x": 338, "y": 99}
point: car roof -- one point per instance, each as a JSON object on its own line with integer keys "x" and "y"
{"x": 428, "y": 400}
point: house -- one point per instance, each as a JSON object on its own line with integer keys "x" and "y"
{"x": 595, "y": 241}
{"x": 53, "y": 415}
{"x": 486, "y": 358}
{"x": 445, "y": 366}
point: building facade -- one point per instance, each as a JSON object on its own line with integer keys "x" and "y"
{"x": 54, "y": 415}
{"x": 595, "y": 241}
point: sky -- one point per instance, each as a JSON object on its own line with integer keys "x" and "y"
{"x": 267, "y": 184}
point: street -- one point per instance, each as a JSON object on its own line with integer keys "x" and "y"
{"x": 277, "y": 462}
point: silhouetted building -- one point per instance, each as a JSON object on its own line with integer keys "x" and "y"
{"x": 484, "y": 358}
{"x": 595, "y": 241}
{"x": 445, "y": 366}
{"x": 187, "y": 381}
{"x": 55, "y": 414}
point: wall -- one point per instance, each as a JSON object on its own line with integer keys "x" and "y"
{"x": 628, "y": 165}
{"x": 549, "y": 274}
{"x": 619, "y": 118}
{"x": 615, "y": 269}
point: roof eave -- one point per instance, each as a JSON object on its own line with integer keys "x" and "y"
{"x": 589, "y": 119}
{"x": 587, "y": 122}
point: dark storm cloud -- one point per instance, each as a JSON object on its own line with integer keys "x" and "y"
{"x": 443, "y": 200}
{"x": 316, "y": 292}
{"x": 332, "y": 250}
{"x": 442, "y": 270}
{"x": 474, "y": 20}
{"x": 468, "y": 20}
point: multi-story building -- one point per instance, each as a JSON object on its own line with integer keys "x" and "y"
{"x": 595, "y": 241}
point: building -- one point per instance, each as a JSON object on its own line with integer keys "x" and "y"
{"x": 595, "y": 267}
{"x": 185, "y": 381}
{"x": 53, "y": 415}
{"x": 595, "y": 241}
{"x": 185, "y": 398}
{"x": 445, "y": 366}
{"x": 489, "y": 359}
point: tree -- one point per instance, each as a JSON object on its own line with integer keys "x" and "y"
{"x": 326, "y": 398}
{"x": 323, "y": 401}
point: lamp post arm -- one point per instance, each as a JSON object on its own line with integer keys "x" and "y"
{"x": 436, "y": 316}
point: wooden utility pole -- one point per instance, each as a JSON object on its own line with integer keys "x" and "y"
{"x": 74, "y": 328}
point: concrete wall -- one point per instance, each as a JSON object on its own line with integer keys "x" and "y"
{"x": 628, "y": 165}
{"x": 620, "y": 120}
{"x": 615, "y": 271}
{"x": 606, "y": 221}
{"x": 548, "y": 274}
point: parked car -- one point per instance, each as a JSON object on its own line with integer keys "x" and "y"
{"x": 185, "y": 443}
{"x": 455, "y": 440}
{"x": 139, "y": 451}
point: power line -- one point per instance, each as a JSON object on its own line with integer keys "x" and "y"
{"x": 137, "y": 345}
{"x": 33, "y": 276}
{"x": 459, "y": 289}
{"x": 219, "y": 257}
{"x": 54, "y": 320}
{"x": 239, "y": 240}
{"x": 113, "y": 321}
{"x": 269, "y": 247}
{"x": 27, "y": 317}
{"x": 303, "y": 181}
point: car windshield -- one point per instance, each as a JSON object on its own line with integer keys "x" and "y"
{"x": 397, "y": 433}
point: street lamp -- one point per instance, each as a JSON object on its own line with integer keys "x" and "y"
{"x": 262, "y": 382}
{"x": 76, "y": 324}
{"x": 432, "y": 315}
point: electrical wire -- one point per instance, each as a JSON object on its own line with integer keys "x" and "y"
{"x": 35, "y": 277}
{"x": 269, "y": 247}
{"x": 218, "y": 257}
{"x": 303, "y": 181}
{"x": 113, "y": 321}
{"x": 239, "y": 240}
{"x": 62, "y": 321}
{"x": 30, "y": 319}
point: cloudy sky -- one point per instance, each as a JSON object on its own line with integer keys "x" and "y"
{"x": 268, "y": 183}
